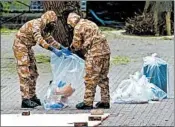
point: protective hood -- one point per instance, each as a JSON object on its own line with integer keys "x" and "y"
{"x": 73, "y": 19}
{"x": 48, "y": 17}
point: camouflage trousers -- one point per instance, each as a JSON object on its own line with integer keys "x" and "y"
{"x": 26, "y": 68}
{"x": 97, "y": 69}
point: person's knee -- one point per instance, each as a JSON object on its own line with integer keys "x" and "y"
{"x": 34, "y": 74}
{"x": 26, "y": 81}
{"x": 23, "y": 71}
{"x": 92, "y": 78}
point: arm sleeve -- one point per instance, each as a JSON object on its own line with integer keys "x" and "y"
{"x": 51, "y": 41}
{"x": 77, "y": 40}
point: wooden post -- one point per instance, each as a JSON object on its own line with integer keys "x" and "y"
{"x": 156, "y": 28}
{"x": 147, "y": 4}
{"x": 168, "y": 23}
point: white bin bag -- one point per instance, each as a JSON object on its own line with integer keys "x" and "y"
{"x": 136, "y": 89}
{"x": 68, "y": 73}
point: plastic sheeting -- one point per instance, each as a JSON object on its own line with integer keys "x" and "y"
{"x": 68, "y": 75}
{"x": 151, "y": 84}
{"x": 137, "y": 89}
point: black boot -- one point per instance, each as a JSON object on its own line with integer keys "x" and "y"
{"x": 102, "y": 105}
{"x": 27, "y": 103}
{"x": 82, "y": 105}
{"x": 36, "y": 100}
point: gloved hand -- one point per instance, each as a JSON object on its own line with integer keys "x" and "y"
{"x": 56, "y": 51}
{"x": 61, "y": 84}
{"x": 66, "y": 51}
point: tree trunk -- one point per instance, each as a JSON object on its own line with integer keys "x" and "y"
{"x": 168, "y": 23}
{"x": 158, "y": 8}
{"x": 156, "y": 28}
{"x": 63, "y": 34}
{"x": 146, "y": 6}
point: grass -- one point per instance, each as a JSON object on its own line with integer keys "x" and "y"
{"x": 118, "y": 60}
{"x": 107, "y": 28}
{"x": 167, "y": 38}
{"x": 5, "y": 30}
{"x": 42, "y": 58}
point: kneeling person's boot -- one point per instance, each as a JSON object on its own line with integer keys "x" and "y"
{"x": 27, "y": 103}
{"x": 102, "y": 105}
{"x": 82, "y": 105}
{"x": 36, "y": 100}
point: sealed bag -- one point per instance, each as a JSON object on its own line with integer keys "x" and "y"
{"x": 156, "y": 70}
{"x": 136, "y": 89}
{"x": 68, "y": 72}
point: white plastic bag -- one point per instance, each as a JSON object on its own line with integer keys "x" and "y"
{"x": 68, "y": 75}
{"x": 154, "y": 92}
{"x": 136, "y": 89}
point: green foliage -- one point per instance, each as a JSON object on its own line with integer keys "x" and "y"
{"x": 120, "y": 60}
{"x": 14, "y": 4}
{"x": 167, "y": 38}
{"x": 5, "y": 30}
{"x": 40, "y": 58}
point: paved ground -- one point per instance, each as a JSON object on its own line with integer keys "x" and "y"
{"x": 159, "y": 114}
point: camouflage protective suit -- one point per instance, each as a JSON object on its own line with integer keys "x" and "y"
{"x": 30, "y": 34}
{"x": 88, "y": 37}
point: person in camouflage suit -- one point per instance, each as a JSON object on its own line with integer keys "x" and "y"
{"x": 88, "y": 37}
{"x": 36, "y": 31}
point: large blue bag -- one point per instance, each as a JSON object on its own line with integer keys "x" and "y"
{"x": 156, "y": 70}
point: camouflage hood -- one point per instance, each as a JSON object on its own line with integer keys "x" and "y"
{"x": 73, "y": 19}
{"x": 48, "y": 17}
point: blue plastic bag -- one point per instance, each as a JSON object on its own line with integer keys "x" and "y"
{"x": 54, "y": 105}
{"x": 156, "y": 70}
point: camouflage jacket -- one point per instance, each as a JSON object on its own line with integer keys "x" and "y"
{"x": 32, "y": 32}
{"x": 88, "y": 37}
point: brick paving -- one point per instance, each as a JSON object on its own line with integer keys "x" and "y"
{"x": 152, "y": 114}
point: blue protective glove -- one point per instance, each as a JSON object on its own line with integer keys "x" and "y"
{"x": 66, "y": 51}
{"x": 56, "y": 51}
{"x": 56, "y": 106}
{"x": 61, "y": 84}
